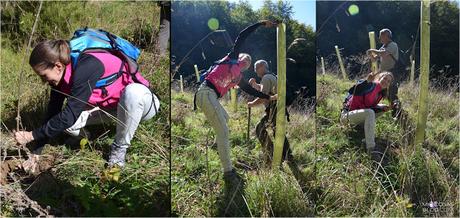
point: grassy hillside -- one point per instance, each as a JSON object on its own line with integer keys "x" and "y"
{"x": 71, "y": 182}
{"x": 408, "y": 178}
{"x": 197, "y": 183}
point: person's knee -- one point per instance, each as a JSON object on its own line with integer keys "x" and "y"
{"x": 222, "y": 131}
{"x": 370, "y": 114}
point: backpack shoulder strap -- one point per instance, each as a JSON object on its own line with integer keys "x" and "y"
{"x": 362, "y": 87}
{"x": 108, "y": 80}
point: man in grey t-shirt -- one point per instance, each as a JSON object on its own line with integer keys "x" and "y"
{"x": 389, "y": 52}
{"x": 267, "y": 85}
{"x": 388, "y": 55}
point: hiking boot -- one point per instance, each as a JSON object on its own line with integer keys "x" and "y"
{"x": 232, "y": 180}
{"x": 233, "y": 185}
{"x": 396, "y": 111}
{"x": 375, "y": 155}
{"x": 233, "y": 202}
{"x": 117, "y": 156}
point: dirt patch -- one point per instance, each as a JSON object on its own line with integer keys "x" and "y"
{"x": 17, "y": 167}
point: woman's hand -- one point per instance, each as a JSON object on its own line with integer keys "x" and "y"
{"x": 273, "y": 97}
{"x": 386, "y": 108}
{"x": 252, "y": 82}
{"x": 23, "y": 137}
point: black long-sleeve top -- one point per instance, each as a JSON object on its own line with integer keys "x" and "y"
{"x": 234, "y": 53}
{"x": 85, "y": 76}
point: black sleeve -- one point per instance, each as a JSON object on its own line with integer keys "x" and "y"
{"x": 241, "y": 38}
{"x": 54, "y": 107}
{"x": 55, "y": 103}
{"x": 88, "y": 72}
{"x": 377, "y": 109}
{"x": 248, "y": 89}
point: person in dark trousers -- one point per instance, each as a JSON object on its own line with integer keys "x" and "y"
{"x": 267, "y": 85}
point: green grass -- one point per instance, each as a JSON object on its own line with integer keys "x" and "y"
{"x": 74, "y": 186}
{"x": 352, "y": 185}
{"x": 266, "y": 193}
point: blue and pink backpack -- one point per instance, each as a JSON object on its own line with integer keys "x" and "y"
{"x": 111, "y": 50}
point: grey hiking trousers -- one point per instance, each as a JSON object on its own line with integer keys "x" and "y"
{"x": 137, "y": 103}
{"x": 206, "y": 100}
{"x": 366, "y": 116}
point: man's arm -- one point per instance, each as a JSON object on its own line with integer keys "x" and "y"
{"x": 257, "y": 101}
{"x": 255, "y": 85}
{"x": 377, "y": 52}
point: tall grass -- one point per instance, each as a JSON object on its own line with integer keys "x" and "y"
{"x": 266, "y": 193}
{"x": 408, "y": 178}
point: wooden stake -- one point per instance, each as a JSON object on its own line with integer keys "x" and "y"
{"x": 412, "y": 72}
{"x": 181, "y": 84}
{"x": 424, "y": 72}
{"x": 197, "y": 73}
{"x": 342, "y": 68}
{"x": 233, "y": 100}
{"x": 322, "y": 66}
{"x": 372, "y": 46}
{"x": 281, "y": 102}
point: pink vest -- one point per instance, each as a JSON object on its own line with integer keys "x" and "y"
{"x": 108, "y": 96}
{"x": 369, "y": 100}
{"x": 225, "y": 76}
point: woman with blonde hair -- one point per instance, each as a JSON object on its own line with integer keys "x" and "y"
{"x": 362, "y": 106}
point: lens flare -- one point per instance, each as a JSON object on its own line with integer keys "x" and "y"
{"x": 213, "y": 24}
{"x": 353, "y": 9}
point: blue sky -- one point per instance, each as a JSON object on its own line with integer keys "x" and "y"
{"x": 304, "y": 10}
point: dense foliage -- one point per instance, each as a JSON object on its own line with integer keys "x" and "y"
{"x": 336, "y": 26}
{"x": 190, "y": 24}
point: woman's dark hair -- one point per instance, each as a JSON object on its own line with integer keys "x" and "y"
{"x": 48, "y": 52}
